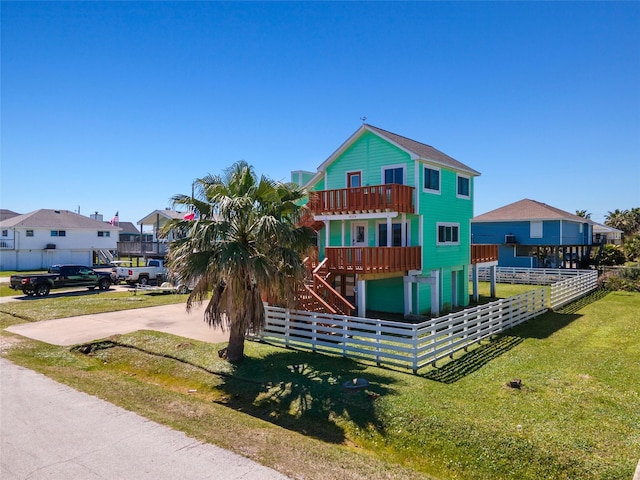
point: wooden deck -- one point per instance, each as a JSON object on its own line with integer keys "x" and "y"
{"x": 484, "y": 253}
{"x": 361, "y": 260}
{"x": 375, "y": 198}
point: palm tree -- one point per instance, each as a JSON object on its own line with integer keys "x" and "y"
{"x": 243, "y": 244}
{"x": 617, "y": 219}
{"x": 583, "y": 214}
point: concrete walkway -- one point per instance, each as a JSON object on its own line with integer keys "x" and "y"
{"x": 50, "y": 431}
{"x": 86, "y": 328}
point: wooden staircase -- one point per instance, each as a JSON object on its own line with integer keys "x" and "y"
{"x": 317, "y": 295}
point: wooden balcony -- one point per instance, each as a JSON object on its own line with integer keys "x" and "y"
{"x": 363, "y": 260}
{"x": 484, "y": 253}
{"x": 375, "y": 198}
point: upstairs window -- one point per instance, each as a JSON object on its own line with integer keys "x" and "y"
{"x": 463, "y": 187}
{"x": 432, "y": 180}
{"x": 105, "y": 233}
{"x": 58, "y": 233}
{"x": 394, "y": 175}
{"x": 396, "y": 235}
{"x": 448, "y": 234}
{"x": 29, "y": 233}
{"x": 5, "y": 233}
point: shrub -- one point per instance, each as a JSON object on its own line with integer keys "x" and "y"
{"x": 611, "y": 255}
{"x": 627, "y": 279}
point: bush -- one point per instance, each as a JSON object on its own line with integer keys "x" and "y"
{"x": 612, "y": 255}
{"x": 627, "y": 279}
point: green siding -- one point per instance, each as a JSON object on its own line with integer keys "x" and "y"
{"x": 386, "y": 295}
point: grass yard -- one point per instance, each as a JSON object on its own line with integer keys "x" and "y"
{"x": 576, "y": 416}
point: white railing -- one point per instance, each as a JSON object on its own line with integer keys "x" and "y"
{"x": 568, "y": 290}
{"x": 530, "y": 276}
{"x": 414, "y": 346}
{"x": 6, "y": 244}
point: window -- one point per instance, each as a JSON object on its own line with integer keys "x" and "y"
{"x": 448, "y": 234}
{"x": 104, "y": 233}
{"x": 535, "y": 229}
{"x": 432, "y": 179}
{"x": 396, "y": 234}
{"x": 463, "y": 186}
{"x": 29, "y": 233}
{"x": 354, "y": 179}
{"x": 394, "y": 175}
{"x": 525, "y": 251}
{"x": 5, "y": 233}
{"x": 58, "y": 233}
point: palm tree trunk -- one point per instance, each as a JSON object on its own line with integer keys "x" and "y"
{"x": 235, "y": 349}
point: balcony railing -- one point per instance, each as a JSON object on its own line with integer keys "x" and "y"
{"x": 6, "y": 244}
{"x": 141, "y": 249}
{"x": 342, "y": 260}
{"x": 374, "y": 198}
{"x": 484, "y": 253}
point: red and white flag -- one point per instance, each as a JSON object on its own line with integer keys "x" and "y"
{"x": 115, "y": 220}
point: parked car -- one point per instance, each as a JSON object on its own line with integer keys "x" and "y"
{"x": 60, "y": 276}
{"x": 153, "y": 272}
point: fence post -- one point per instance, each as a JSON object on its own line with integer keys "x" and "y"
{"x": 287, "y": 326}
{"x": 414, "y": 333}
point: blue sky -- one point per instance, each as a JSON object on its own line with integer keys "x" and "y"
{"x": 117, "y": 106}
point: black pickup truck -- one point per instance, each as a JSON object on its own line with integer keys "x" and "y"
{"x": 60, "y": 276}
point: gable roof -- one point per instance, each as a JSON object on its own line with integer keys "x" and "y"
{"x": 47, "y": 218}
{"x": 527, "y": 209}
{"x": 127, "y": 227}
{"x": 416, "y": 150}
{"x": 6, "y": 214}
{"x": 166, "y": 214}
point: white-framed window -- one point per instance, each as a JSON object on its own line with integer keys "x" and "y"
{"x": 464, "y": 186}
{"x": 105, "y": 233}
{"x": 5, "y": 233}
{"x": 58, "y": 233}
{"x": 448, "y": 233}
{"x": 393, "y": 174}
{"x": 396, "y": 234}
{"x": 354, "y": 179}
{"x": 29, "y": 233}
{"x": 431, "y": 182}
{"x": 535, "y": 229}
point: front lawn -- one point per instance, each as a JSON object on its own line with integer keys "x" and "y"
{"x": 575, "y": 416}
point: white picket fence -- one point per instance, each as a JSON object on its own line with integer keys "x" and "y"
{"x": 413, "y": 346}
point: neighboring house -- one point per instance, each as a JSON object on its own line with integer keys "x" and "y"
{"x": 42, "y": 238}
{"x": 148, "y": 244}
{"x": 7, "y": 214}
{"x": 603, "y": 234}
{"x": 395, "y": 219}
{"x": 533, "y": 234}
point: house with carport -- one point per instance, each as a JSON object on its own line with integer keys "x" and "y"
{"x": 533, "y": 234}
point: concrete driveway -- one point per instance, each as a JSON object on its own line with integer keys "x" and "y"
{"x": 167, "y": 318}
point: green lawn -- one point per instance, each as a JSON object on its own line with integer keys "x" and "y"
{"x": 576, "y": 415}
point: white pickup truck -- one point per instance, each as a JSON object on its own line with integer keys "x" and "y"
{"x": 154, "y": 271}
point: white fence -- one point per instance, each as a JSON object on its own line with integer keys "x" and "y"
{"x": 530, "y": 276}
{"x": 414, "y": 346}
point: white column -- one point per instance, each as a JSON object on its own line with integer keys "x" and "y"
{"x": 342, "y": 233}
{"x": 362, "y": 295}
{"x": 389, "y": 232}
{"x": 474, "y": 280}
{"x": 326, "y": 234}
{"x": 435, "y": 292}
{"x": 408, "y": 295}
{"x": 493, "y": 271}
{"x": 404, "y": 230}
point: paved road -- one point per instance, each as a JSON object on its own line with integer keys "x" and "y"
{"x": 50, "y": 431}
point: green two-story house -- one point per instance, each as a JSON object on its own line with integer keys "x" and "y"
{"x": 395, "y": 216}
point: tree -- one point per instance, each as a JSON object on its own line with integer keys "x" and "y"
{"x": 243, "y": 243}
{"x": 583, "y": 214}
